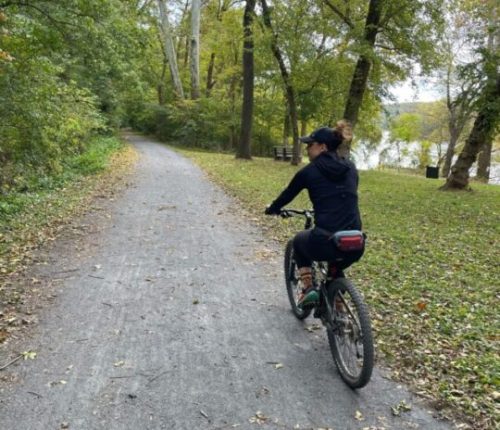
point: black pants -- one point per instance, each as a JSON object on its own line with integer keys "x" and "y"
{"x": 313, "y": 245}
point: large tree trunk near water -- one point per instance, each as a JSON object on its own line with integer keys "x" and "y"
{"x": 363, "y": 65}
{"x": 481, "y": 134}
{"x": 450, "y": 151}
{"x": 484, "y": 162}
{"x": 248, "y": 77}
{"x": 362, "y": 69}
{"x": 290, "y": 93}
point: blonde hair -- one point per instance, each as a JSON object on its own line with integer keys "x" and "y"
{"x": 343, "y": 127}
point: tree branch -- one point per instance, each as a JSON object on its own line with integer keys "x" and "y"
{"x": 388, "y": 48}
{"x": 39, "y": 10}
{"x": 339, "y": 13}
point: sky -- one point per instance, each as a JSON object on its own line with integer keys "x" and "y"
{"x": 422, "y": 91}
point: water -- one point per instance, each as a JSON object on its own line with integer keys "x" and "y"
{"x": 386, "y": 153}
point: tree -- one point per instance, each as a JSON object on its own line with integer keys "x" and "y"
{"x": 248, "y": 83}
{"x": 290, "y": 93}
{"x": 483, "y": 70}
{"x": 394, "y": 36}
{"x": 482, "y": 133}
{"x": 404, "y": 130}
{"x": 493, "y": 46}
{"x": 195, "y": 52}
{"x": 460, "y": 94}
{"x": 168, "y": 45}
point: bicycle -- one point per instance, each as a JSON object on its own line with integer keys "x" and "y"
{"x": 341, "y": 309}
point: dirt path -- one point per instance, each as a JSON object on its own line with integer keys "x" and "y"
{"x": 171, "y": 314}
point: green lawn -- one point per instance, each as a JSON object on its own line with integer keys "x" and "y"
{"x": 430, "y": 275}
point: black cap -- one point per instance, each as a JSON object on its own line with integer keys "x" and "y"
{"x": 330, "y": 137}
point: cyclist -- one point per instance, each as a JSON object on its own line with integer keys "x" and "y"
{"x": 332, "y": 183}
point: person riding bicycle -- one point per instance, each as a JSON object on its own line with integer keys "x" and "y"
{"x": 332, "y": 183}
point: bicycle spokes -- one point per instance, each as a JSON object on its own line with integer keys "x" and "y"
{"x": 348, "y": 334}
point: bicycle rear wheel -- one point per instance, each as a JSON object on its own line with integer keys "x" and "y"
{"x": 350, "y": 338}
{"x": 293, "y": 286}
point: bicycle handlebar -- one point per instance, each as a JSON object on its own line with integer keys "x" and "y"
{"x": 287, "y": 213}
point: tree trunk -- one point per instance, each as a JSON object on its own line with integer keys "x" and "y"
{"x": 233, "y": 134}
{"x": 182, "y": 38}
{"x": 362, "y": 69}
{"x": 195, "y": 49}
{"x": 484, "y": 159}
{"x": 484, "y": 162}
{"x": 286, "y": 126}
{"x": 303, "y": 127}
{"x": 170, "y": 50}
{"x": 210, "y": 74}
{"x": 248, "y": 78}
{"x": 450, "y": 151}
{"x": 290, "y": 93}
{"x": 161, "y": 84}
{"x": 482, "y": 133}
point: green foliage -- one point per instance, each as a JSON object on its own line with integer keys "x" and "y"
{"x": 405, "y": 128}
{"x": 65, "y": 76}
{"x": 430, "y": 274}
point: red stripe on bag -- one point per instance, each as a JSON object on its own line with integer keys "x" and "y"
{"x": 350, "y": 243}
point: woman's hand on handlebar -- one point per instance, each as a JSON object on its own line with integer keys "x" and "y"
{"x": 271, "y": 211}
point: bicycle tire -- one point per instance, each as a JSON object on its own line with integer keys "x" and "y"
{"x": 292, "y": 286}
{"x": 358, "y": 331}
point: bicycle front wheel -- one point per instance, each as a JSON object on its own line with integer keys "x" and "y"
{"x": 293, "y": 286}
{"x": 350, "y": 335}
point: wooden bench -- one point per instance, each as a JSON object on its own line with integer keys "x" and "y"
{"x": 283, "y": 153}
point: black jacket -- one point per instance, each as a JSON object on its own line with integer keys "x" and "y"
{"x": 332, "y": 184}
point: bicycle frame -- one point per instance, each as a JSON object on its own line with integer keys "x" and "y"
{"x": 329, "y": 271}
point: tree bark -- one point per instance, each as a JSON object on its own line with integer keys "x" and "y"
{"x": 303, "y": 127}
{"x": 161, "y": 84}
{"x": 482, "y": 132}
{"x": 484, "y": 159}
{"x": 210, "y": 74}
{"x": 484, "y": 162}
{"x": 286, "y": 126}
{"x": 450, "y": 151}
{"x": 290, "y": 93}
{"x": 195, "y": 49}
{"x": 170, "y": 50}
{"x": 244, "y": 150}
{"x": 363, "y": 66}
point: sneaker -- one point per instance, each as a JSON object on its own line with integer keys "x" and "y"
{"x": 308, "y": 298}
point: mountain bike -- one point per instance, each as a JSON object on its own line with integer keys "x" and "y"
{"x": 341, "y": 309}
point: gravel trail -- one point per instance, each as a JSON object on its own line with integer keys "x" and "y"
{"x": 171, "y": 313}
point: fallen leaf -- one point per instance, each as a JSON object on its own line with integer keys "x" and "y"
{"x": 312, "y": 328}
{"x": 258, "y": 418}
{"x": 421, "y": 306}
{"x": 29, "y": 355}
{"x": 359, "y": 416}
{"x": 402, "y": 406}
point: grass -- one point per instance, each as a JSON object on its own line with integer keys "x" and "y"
{"x": 430, "y": 275}
{"x": 27, "y": 217}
